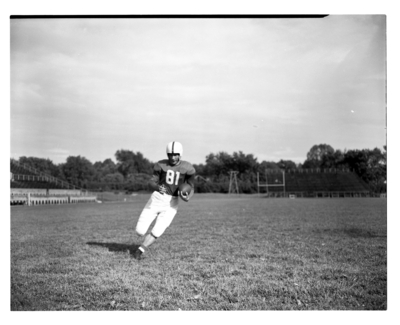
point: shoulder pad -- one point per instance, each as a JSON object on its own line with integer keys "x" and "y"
{"x": 188, "y": 166}
{"x": 159, "y": 165}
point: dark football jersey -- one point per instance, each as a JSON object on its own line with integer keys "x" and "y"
{"x": 172, "y": 176}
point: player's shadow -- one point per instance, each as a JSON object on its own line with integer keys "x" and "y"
{"x": 116, "y": 247}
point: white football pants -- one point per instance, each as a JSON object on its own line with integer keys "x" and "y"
{"x": 161, "y": 206}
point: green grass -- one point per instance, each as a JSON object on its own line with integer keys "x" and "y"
{"x": 220, "y": 253}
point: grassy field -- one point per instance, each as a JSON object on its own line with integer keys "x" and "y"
{"x": 220, "y": 253}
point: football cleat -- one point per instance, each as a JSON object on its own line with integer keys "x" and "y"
{"x": 137, "y": 254}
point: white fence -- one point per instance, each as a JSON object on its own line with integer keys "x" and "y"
{"x": 29, "y": 199}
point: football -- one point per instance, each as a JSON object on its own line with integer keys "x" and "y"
{"x": 184, "y": 188}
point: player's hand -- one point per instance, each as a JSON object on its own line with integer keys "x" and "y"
{"x": 184, "y": 196}
{"x": 162, "y": 189}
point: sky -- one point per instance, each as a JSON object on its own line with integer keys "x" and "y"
{"x": 268, "y": 87}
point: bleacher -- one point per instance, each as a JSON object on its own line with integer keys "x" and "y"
{"x": 25, "y": 177}
{"x": 306, "y": 183}
{"x": 31, "y": 187}
{"x": 20, "y": 170}
{"x": 34, "y": 184}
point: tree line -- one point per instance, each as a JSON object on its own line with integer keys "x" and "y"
{"x": 132, "y": 170}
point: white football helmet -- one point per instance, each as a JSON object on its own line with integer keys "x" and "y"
{"x": 175, "y": 147}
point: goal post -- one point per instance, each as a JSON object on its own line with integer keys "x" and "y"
{"x": 276, "y": 182}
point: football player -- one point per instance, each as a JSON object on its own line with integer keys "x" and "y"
{"x": 168, "y": 175}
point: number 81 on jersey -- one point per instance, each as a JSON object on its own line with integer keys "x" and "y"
{"x": 172, "y": 177}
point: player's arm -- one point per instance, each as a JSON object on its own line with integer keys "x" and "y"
{"x": 154, "y": 181}
{"x": 190, "y": 180}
